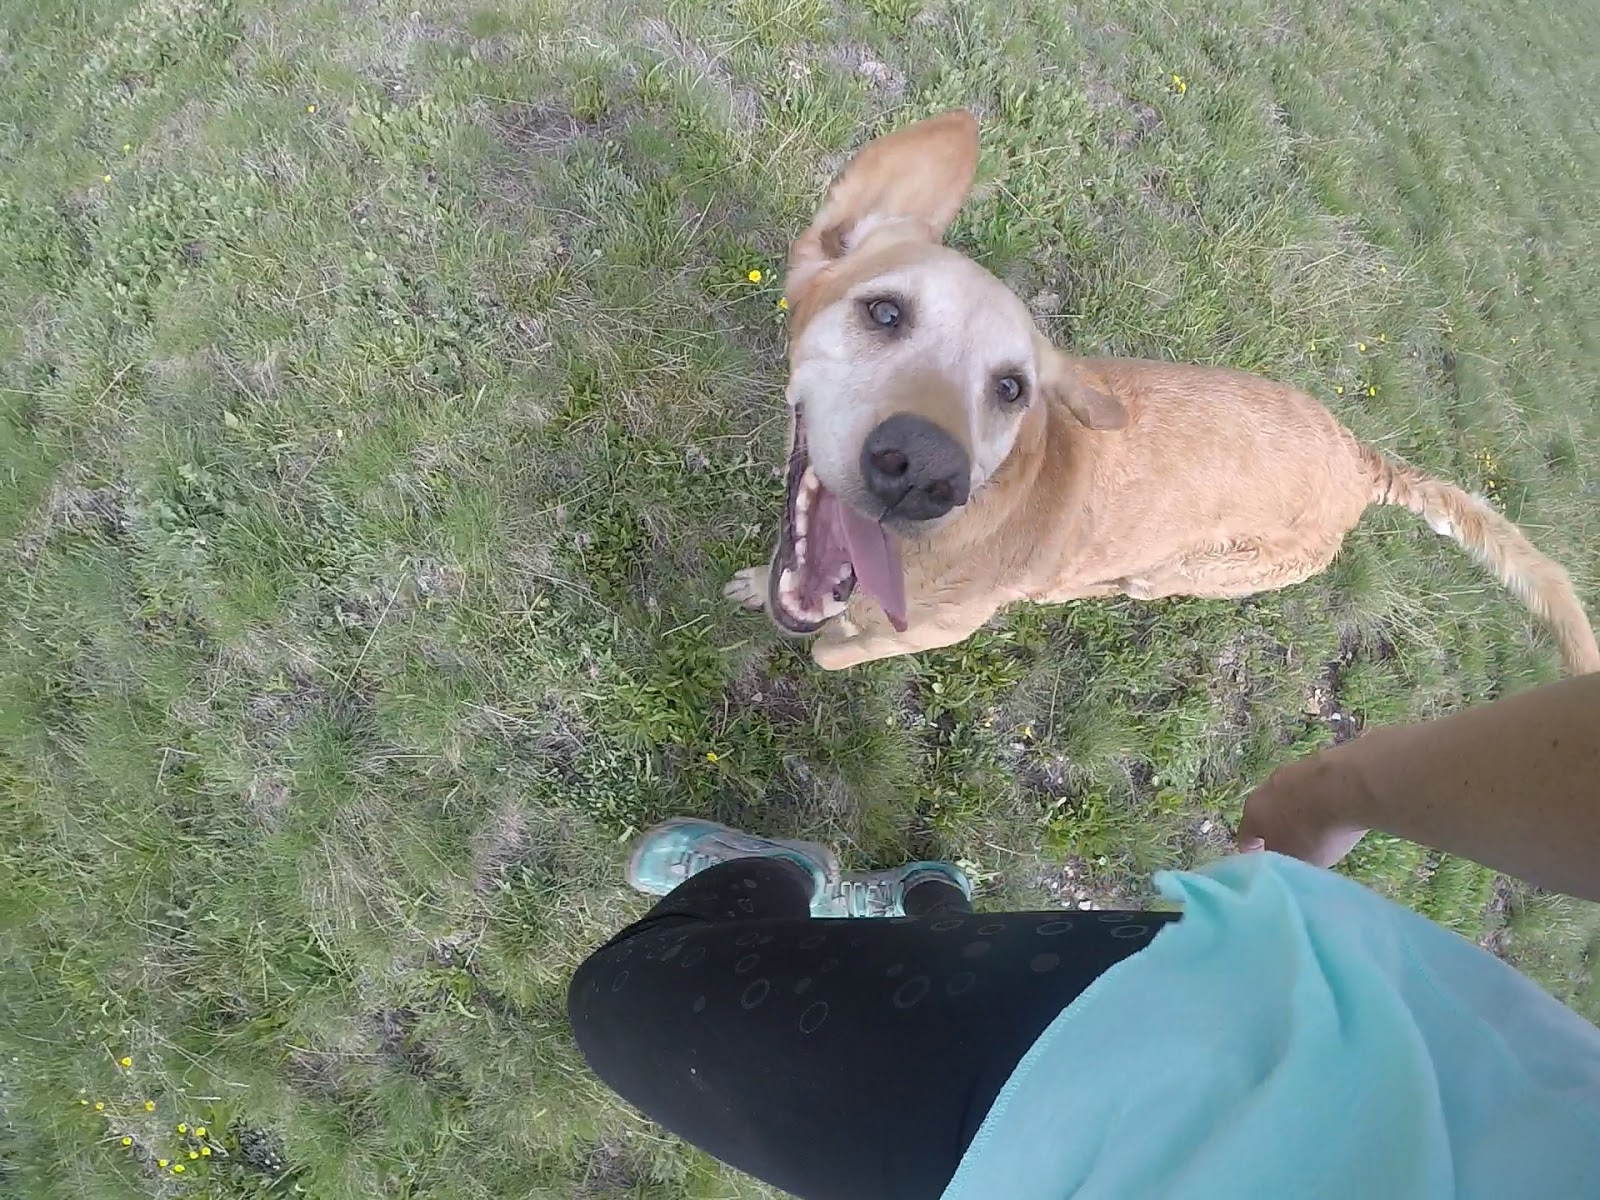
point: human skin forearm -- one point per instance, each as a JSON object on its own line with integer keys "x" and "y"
{"x": 1514, "y": 785}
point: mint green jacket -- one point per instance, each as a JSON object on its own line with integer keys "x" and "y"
{"x": 1296, "y": 1036}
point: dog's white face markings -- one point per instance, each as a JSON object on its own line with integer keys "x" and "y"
{"x": 957, "y": 322}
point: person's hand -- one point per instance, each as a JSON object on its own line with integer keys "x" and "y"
{"x": 1305, "y": 811}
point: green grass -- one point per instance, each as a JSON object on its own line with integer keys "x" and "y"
{"x": 383, "y": 402}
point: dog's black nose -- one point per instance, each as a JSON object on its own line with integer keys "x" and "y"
{"x": 917, "y": 469}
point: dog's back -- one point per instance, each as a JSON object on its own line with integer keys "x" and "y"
{"x": 1224, "y": 484}
{"x": 1216, "y": 456}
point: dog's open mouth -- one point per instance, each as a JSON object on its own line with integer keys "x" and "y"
{"x": 826, "y": 548}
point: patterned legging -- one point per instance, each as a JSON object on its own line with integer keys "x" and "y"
{"x": 836, "y": 1059}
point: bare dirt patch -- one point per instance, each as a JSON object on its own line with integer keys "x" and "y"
{"x": 389, "y": 51}
{"x": 1280, "y": 28}
{"x": 1136, "y": 120}
{"x": 433, "y": 579}
{"x": 1231, "y": 683}
{"x": 743, "y": 103}
{"x": 1496, "y": 915}
{"x": 395, "y": 1030}
{"x": 316, "y": 1072}
{"x": 857, "y": 59}
{"x": 540, "y": 129}
{"x": 502, "y": 842}
{"x": 74, "y": 509}
{"x": 608, "y": 1173}
{"x": 84, "y": 509}
{"x": 1143, "y": 120}
{"x": 275, "y": 711}
{"x": 1155, "y": 191}
{"x": 267, "y": 798}
{"x": 1322, "y": 701}
{"x": 776, "y": 697}
{"x": 1076, "y": 883}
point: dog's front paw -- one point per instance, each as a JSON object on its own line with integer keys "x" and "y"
{"x": 839, "y": 645}
{"x": 748, "y": 588}
{"x": 834, "y": 655}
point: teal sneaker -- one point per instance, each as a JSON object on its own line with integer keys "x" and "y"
{"x": 883, "y": 893}
{"x": 674, "y": 850}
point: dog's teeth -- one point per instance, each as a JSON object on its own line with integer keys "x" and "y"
{"x": 802, "y": 507}
{"x": 788, "y": 584}
{"x": 832, "y": 608}
{"x": 800, "y": 546}
{"x": 809, "y": 482}
{"x": 844, "y": 572}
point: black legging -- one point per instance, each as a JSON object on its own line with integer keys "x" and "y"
{"x": 836, "y": 1059}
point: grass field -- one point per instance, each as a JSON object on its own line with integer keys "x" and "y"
{"x": 385, "y": 394}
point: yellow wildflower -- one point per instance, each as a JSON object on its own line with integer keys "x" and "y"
{"x": 754, "y": 276}
{"x": 711, "y": 756}
{"x": 99, "y": 1106}
{"x": 194, "y": 1154}
{"x": 127, "y": 1141}
{"x": 1372, "y": 391}
{"x": 783, "y": 303}
{"x": 1338, "y": 391}
{"x": 177, "y": 1168}
{"x": 149, "y": 1106}
{"x": 183, "y": 1127}
{"x": 1361, "y": 347}
{"x": 200, "y": 1131}
{"x": 124, "y": 1062}
{"x": 127, "y": 146}
{"x": 161, "y": 1162}
{"x": 105, "y": 179}
{"x": 205, "y": 1151}
{"x": 311, "y": 108}
{"x": 1178, "y": 85}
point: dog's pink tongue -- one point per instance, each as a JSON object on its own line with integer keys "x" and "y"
{"x": 875, "y": 555}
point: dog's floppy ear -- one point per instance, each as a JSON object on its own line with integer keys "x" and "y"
{"x": 1060, "y": 378}
{"x": 918, "y": 175}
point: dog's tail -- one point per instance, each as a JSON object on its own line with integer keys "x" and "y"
{"x": 1541, "y": 584}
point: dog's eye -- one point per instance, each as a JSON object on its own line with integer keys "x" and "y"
{"x": 884, "y": 312}
{"x": 1009, "y": 389}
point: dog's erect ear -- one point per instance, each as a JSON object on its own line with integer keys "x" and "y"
{"x": 1060, "y": 378}
{"x": 918, "y": 175}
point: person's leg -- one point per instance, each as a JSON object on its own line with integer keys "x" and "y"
{"x": 837, "y": 1059}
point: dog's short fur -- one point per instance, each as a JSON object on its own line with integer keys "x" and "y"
{"x": 1101, "y": 477}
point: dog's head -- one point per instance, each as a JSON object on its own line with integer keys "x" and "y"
{"x": 912, "y": 370}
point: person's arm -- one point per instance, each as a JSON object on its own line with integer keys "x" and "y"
{"x": 1514, "y": 785}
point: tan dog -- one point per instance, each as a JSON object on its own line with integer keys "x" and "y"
{"x": 946, "y": 461}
